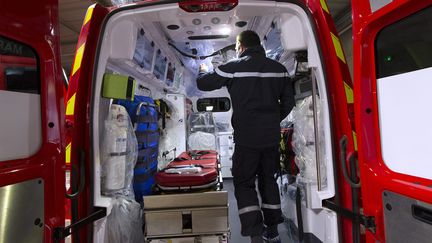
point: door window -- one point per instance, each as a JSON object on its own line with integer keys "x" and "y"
{"x": 219, "y": 104}
{"x": 20, "y": 123}
{"x": 405, "y": 46}
{"x": 403, "y": 52}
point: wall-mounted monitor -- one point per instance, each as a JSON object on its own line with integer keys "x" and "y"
{"x": 144, "y": 51}
{"x": 160, "y": 65}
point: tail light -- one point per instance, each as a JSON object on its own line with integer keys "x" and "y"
{"x": 207, "y": 5}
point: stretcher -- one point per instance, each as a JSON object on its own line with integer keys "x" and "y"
{"x": 191, "y": 170}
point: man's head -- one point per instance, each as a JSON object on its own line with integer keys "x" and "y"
{"x": 247, "y": 39}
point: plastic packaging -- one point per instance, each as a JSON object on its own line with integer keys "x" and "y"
{"x": 202, "y": 121}
{"x": 202, "y": 131}
{"x": 124, "y": 223}
{"x": 273, "y": 45}
{"x": 287, "y": 121}
{"x": 304, "y": 140}
{"x": 167, "y": 149}
{"x": 202, "y": 141}
{"x": 119, "y": 153}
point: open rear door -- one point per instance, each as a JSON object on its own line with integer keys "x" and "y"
{"x": 78, "y": 141}
{"x": 31, "y": 122}
{"x": 393, "y": 69}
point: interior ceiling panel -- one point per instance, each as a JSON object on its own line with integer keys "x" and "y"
{"x": 72, "y": 13}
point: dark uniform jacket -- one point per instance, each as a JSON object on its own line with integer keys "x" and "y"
{"x": 261, "y": 95}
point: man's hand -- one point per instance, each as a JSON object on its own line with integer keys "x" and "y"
{"x": 203, "y": 68}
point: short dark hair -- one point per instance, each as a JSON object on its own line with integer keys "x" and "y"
{"x": 249, "y": 38}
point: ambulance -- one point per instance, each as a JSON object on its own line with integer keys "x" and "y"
{"x": 361, "y": 163}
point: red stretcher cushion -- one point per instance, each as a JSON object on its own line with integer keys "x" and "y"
{"x": 206, "y": 160}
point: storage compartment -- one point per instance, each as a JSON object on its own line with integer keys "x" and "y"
{"x": 186, "y": 214}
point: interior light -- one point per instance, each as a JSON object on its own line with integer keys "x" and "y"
{"x": 206, "y": 5}
{"x": 225, "y": 31}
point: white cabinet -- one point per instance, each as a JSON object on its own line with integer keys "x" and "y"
{"x": 226, "y": 151}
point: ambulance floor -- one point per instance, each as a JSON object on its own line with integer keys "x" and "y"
{"x": 234, "y": 221}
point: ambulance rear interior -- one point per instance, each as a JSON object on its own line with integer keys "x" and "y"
{"x": 287, "y": 35}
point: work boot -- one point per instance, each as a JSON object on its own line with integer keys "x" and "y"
{"x": 271, "y": 234}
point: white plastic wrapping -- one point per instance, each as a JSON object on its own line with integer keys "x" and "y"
{"x": 202, "y": 121}
{"x": 202, "y": 131}
{"x": 124, "y": 223}
{"x": 202, "y": 141}
{"x": 119, "y": 154}
{"x": 167, "y": 149}
{"x": 169, "y": 137}
{"x": 304, "y": 140}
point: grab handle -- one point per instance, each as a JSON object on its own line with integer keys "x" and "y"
{"x": 81, "y": 186}
{"x": 316, "y": 132}
{"x": 421, "y": 213}
{"x": 343, "y": 145}
{"x": 142, "y": 87}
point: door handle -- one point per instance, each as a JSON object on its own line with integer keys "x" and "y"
{"x": 421, "y": 213}
{"x": 81, "y": 155}
{"x": 343, "y": 145}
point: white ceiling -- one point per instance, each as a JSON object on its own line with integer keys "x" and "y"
{"x": 72, "y": 14}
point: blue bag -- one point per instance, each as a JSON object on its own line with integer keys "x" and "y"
{"x": 144, "y": 117}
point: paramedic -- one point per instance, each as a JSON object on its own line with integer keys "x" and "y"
{"x": 262, "y": 95}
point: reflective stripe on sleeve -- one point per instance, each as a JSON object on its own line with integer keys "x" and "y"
{"x": 224, "y": 74}
{"x": 250, "y": 74}
{"x": 271, "y": 206}
{"x": 259, "y": 75}
{"x": 248, "y": 209}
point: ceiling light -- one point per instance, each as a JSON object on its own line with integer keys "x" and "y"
{"x": 225, "y": 31}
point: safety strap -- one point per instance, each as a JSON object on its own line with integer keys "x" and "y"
{"x": 146, "y": 118}
{"x": 146, "y": 155}
{"x": 119, "y": 154}
{"x": 144, "y": 177}
{"x": 147, "y": 137}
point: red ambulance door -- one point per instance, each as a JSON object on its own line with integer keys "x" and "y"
{"x": 31, "y": 122}
{"x": 78, "y": 137}
{"x": 393, "y": 66}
